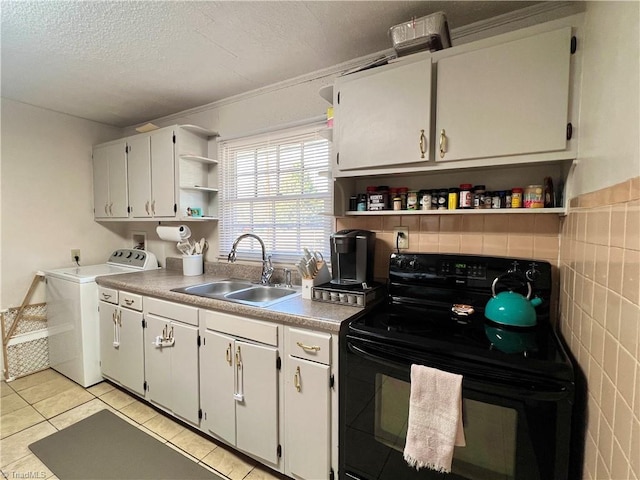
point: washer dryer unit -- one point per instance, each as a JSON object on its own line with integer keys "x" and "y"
{"x": 72, "y": 313}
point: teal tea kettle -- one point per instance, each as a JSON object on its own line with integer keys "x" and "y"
{"x": 511, "y": 308}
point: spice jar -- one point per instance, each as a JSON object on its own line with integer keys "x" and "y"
{"x": 495, "y": 200}
{"x": 443, "y": 196}
{"x": 362, "y": 202}
{"x": 465, "y": 200}
{"x": 397, "y": 202}
{"x": 434, "y": 199}
{"x": 412, "y": 200}
{"x": 507, "y": 199}
{"x": 478, "y": 196}
{"x": 533, "y": 197}
{"x": 453, "y": 198}
{"x": 425, "y": 199}
{"x": 488, "y": 199}
{"x": 402, "y": 191}
{"x": 353, "y": 203}
{"x": 516, "y": 197}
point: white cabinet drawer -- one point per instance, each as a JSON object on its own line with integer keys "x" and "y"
{"x": 263, "y": 332}
{"x": 174, "y": 311}
{"x": 108, "y": 295}
{"x": 131, "y": 300}
{"x": 309, "y": 345}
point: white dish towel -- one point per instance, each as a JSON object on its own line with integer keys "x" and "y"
{"x": 435, "y": 418}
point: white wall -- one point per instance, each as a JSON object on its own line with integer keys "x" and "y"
{"x": 609, "y": 126}
{"x": 47, "y": 196}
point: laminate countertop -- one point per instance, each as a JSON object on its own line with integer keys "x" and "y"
{"x": 295, "y": 311}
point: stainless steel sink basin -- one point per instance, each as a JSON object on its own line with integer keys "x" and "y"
{"x": 215, "y": 288}
{"x": 241, "y": 291}
{"x": 261, "y": 294}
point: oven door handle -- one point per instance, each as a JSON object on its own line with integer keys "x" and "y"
{"x": 548, "y": 390}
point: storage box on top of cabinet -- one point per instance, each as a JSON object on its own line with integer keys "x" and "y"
{"x": 425, "y": 33}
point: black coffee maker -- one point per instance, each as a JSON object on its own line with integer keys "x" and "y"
{"x": 352, "y": 253}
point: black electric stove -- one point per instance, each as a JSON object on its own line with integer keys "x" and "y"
{"x": 518, "y": 380}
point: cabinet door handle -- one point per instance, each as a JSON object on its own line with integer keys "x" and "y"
{"x": 119, "y": 318}
{"x": 229, "y": 354}
{"x": 239, "y": 394}
{"x": 146, "y": 207}
{"x": 238, "y": 358}
{"x": 423, "y": 144}
{"x": 443, "y": 143}
{"x": 106, "y": 209}
{"x": 153, "y": 207}
{"x": 296, "y": 379}
{"x": 313, "y": 348}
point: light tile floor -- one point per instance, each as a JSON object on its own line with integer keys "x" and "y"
{"x": 42, "y": 403}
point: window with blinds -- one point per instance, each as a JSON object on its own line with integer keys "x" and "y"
{"x": 276, "y": 186}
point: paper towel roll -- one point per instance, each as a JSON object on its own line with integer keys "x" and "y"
{"x": 175, "y": 234}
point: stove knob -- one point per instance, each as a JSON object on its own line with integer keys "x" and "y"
{"x": 129, "y": 254}
{"x": 533, "y": 273}
{"x": 414, "y": 264}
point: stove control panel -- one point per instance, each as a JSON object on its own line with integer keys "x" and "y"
{"x": 462, "y": 269}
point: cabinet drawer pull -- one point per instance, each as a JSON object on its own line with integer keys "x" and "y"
{"x": 443, "y": 143}
{"x": 423, "y": 144}
{"x": 296, "y": 379}
{"x": 106, "y": 296}
{"x": 129, "y": 301}
{"x": 313, "y": 348}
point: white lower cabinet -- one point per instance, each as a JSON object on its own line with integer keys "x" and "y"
{"x": 121, "y": 333}
{"x": 222, "y": 374}
{"x": 171, "y": 358}
{"x": 308, "y": 397}
{"x": 239, "y": 382}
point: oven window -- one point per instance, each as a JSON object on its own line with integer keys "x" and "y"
{"x": 490, "y": 431}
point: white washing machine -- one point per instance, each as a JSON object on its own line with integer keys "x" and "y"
{"x": 72, "y": 313}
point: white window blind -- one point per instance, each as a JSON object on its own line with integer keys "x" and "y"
{"x": 276, "y": 186}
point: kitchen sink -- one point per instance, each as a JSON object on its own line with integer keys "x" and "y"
{"x": 215, "y": 288}
{"x": 241, "y": 291}
{"x": 261, "y": 294}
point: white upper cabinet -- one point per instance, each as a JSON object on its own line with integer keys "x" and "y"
{"x": 139, "y": 174}
{"x": 151, "y": 174}
{"x": 383, "y": 116}
{"x": 509, "y": 99}
{"x": 110, "y": 180}
{"x": 163, "y": 174}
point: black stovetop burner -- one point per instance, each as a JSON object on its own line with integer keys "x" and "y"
{"x": 436, "y": 304}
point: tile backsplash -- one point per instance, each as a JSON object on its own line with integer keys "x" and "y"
{"x": 511, "y": 235}
{"x": 600, "y": 319}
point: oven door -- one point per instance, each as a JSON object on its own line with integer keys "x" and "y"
{"x": 515, "y": 429}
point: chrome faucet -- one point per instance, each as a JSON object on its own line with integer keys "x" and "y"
{"x": 267, "y": 267}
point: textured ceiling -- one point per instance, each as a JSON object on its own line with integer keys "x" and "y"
{"x": 124, "y": 63}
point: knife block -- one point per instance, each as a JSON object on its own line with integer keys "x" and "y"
{"x": 323, "y": 276}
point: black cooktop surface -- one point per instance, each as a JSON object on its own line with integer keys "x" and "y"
{"x": 435, "y": 308}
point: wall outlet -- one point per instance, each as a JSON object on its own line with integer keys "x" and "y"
{"x": 75, "y": 255}
{"x": 401, "y": 237}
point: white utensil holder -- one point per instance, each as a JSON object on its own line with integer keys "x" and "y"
{"x": 323, "y": 276}
{"x": 192, "y": 265}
